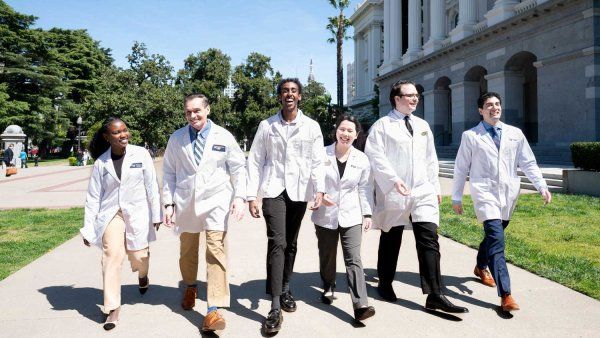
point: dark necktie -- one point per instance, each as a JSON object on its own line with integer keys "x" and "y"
{"x": 495, "y": 137}
{"x": 408, "y": 126}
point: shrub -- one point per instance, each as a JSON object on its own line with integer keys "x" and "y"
{"x": 586, "y": 155}
{"x": 72, "y": 161}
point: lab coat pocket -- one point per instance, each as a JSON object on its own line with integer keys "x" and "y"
{"x": 395, "y": 201}
{"x": 514, "y": 189}
{"x": 480, "y": 188}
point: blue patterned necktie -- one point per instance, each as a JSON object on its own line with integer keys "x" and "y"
{"x": 496, "y": 137}
{"x": 198, "y": 148}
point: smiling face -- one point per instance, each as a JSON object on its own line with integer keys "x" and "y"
{"x": 196, "y": 113}
{"x": 117, "y": 136}
{"x": 491, "y": 111}
{"x": 407, "y": 102}
{"x": 346, "y": 133}
{"x": 290, "y": 96}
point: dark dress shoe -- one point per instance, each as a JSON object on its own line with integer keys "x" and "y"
{"x": 363, "y": 313}
{"x": 273, "y": 322}
{"x": 387, "y": 293}
{"x": 288, "y": 304}
{"x": 328, "y": 296}
{"x": 143, "y": 283}
{"x": 440, "y": 302}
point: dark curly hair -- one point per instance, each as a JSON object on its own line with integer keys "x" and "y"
{"x": 98, "y": 144}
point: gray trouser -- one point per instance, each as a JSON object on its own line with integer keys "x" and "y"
{"x": 351, "y": 238}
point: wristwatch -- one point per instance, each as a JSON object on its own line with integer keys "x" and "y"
{"x": 169, "y": 205}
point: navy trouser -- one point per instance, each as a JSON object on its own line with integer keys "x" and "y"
{"x": 491, "y": 253}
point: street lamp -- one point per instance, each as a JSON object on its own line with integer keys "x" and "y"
{"x": 79, "y": 122}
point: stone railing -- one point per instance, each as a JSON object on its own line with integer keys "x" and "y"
{"x": 480, "y": 26}
{"x": 525, "y": 6}
{"x": 446, "y": 42}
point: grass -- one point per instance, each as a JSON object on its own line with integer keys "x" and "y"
{"x": 26, "y": 234}
{"x": 560, "y": 241}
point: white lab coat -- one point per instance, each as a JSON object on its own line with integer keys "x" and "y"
{"x": 297, "y": 159}
{"x": 395, "y": 155}
{"x": 353, "y": 194}
{"x": 203, "y": 193}
{"x": 136, "y": 194}
{"x": 494, "y": 183}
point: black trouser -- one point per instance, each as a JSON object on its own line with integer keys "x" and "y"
{"x": 428, "y": 251}
{"x": 283, "y": 217}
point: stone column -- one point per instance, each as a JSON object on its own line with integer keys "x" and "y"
{"x": 414, "y": 32}
{"x": 467, "y": 18}
{"x": 356, "y": 67}
{"x": 374, "y": 54}
{"x": 502, "y": 10}
{"x": 464, "y": 107}
{"x": 437, "y": 23}
{"x": 436, "y": 114}
{"x": 509, "y": 85}
{"x": 392, "y": 11}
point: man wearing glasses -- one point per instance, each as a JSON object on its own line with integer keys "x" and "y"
{"x": 404, "y": 163}
{"x": 490, "y": 153}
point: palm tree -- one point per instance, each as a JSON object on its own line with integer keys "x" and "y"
{"x": 337, "y": 26}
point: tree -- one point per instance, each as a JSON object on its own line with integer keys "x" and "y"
{"x": 337, "y": 26}
{"x": 315, "y": 103}
{"x": 255, "y": 98}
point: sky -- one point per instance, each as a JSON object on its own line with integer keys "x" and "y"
{"x": 290, "y": 32}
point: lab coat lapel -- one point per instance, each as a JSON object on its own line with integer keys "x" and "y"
{"x": 126, "y": 164}
{"x": 399, "y": 119}
{"x": 213, "y": 135}
{"x": 278, "y": 127}
{"x": 485, "y": 136}
{"x": 187, "y": 145}
{"x": 350, "y": 164}
{"x": 110, "y": 166}
{"x": 332, "y": 159}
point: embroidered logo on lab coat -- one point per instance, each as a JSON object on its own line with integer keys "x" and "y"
{"x": 218, "y": 147}
{"x": 136, "y": 165}
{"x": 424, "y": 133}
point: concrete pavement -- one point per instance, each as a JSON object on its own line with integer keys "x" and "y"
{"x": 58, "y": 295}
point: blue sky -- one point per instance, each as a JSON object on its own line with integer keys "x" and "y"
{"x": 290, "y": 32}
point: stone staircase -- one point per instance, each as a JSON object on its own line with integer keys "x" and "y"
{"x": 553, "y": 179}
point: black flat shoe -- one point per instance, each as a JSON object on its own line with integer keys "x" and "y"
{"x": 363, "y": 313}
{"x": 387, "y": 293}
{"x": 273, "y": 322}
{"x": 288, "y": 304}
{"x": 440, "y": 302}
{"x": 110, "y": 324}
{"x": 328, "y": 295}
{"x": 143, "y": 283}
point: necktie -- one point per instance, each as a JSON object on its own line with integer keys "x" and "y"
{"x": 408, "y": 126}
{"x": 198, "y": 148}
{"x": 496, "y": 137}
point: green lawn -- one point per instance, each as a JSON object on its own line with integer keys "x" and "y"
{"x": 50, "y": 162}
{"x": 560, "y": 241}
{"x": 26, "y": 234}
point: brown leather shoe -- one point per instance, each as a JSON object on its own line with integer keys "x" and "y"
{"x": 189, "y": 298}
{"x": 485, "y": 275}
{"x": 509, "y": 304}
{"x": 213, "y": 321}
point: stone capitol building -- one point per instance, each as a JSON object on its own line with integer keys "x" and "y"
{"x": 539, "y": 55}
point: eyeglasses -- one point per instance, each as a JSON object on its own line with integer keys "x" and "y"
{"x": 412, "y": 96}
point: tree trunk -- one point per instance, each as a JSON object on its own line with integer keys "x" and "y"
{"x": 340, "y": 66}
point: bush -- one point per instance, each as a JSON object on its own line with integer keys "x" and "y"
{"x": 72, "y": 161}
{"x": 586, "y": 155}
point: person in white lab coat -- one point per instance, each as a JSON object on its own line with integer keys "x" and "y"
{"x": 204, "y": 182}
{"x": 284, "y": 168}
{"x": 404, "y": 164}
{"x": 490, "y": 154}
{"x": 345, "y": 212}
{"x": 122, "y": 210}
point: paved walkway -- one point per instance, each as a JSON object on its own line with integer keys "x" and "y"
{"x": 59, "y": 294}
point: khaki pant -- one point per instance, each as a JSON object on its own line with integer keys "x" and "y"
{"x": 113, "y": 253}
{"x": 216, "y": 265}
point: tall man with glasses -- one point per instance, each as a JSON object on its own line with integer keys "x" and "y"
{"x": 285, "y": 168}
{"x": 204, "y": 182}
{"x": 490, "y": 154}
{"x": 405, "y": 167}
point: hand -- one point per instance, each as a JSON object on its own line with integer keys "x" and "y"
{"x": 318, "y": 201}
{"x": 328, "y": 201}
{"x": 237, "y": 209}
{"x": 168, "y": 218}
{"x": 253, "y": 208}
{"x": 85, "y": 242}
{"x": 439, "y": 199}
{"x": 402, "y": 188}
{"x": 367, "y": 222}
{"x": 157, "y": 225}
{"x": 457, "y": 208}
{"x": 546, "y": 195}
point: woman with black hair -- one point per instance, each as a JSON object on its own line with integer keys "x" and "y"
{"x": 122, "y": 210}
{"x": 345, "y": 212}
